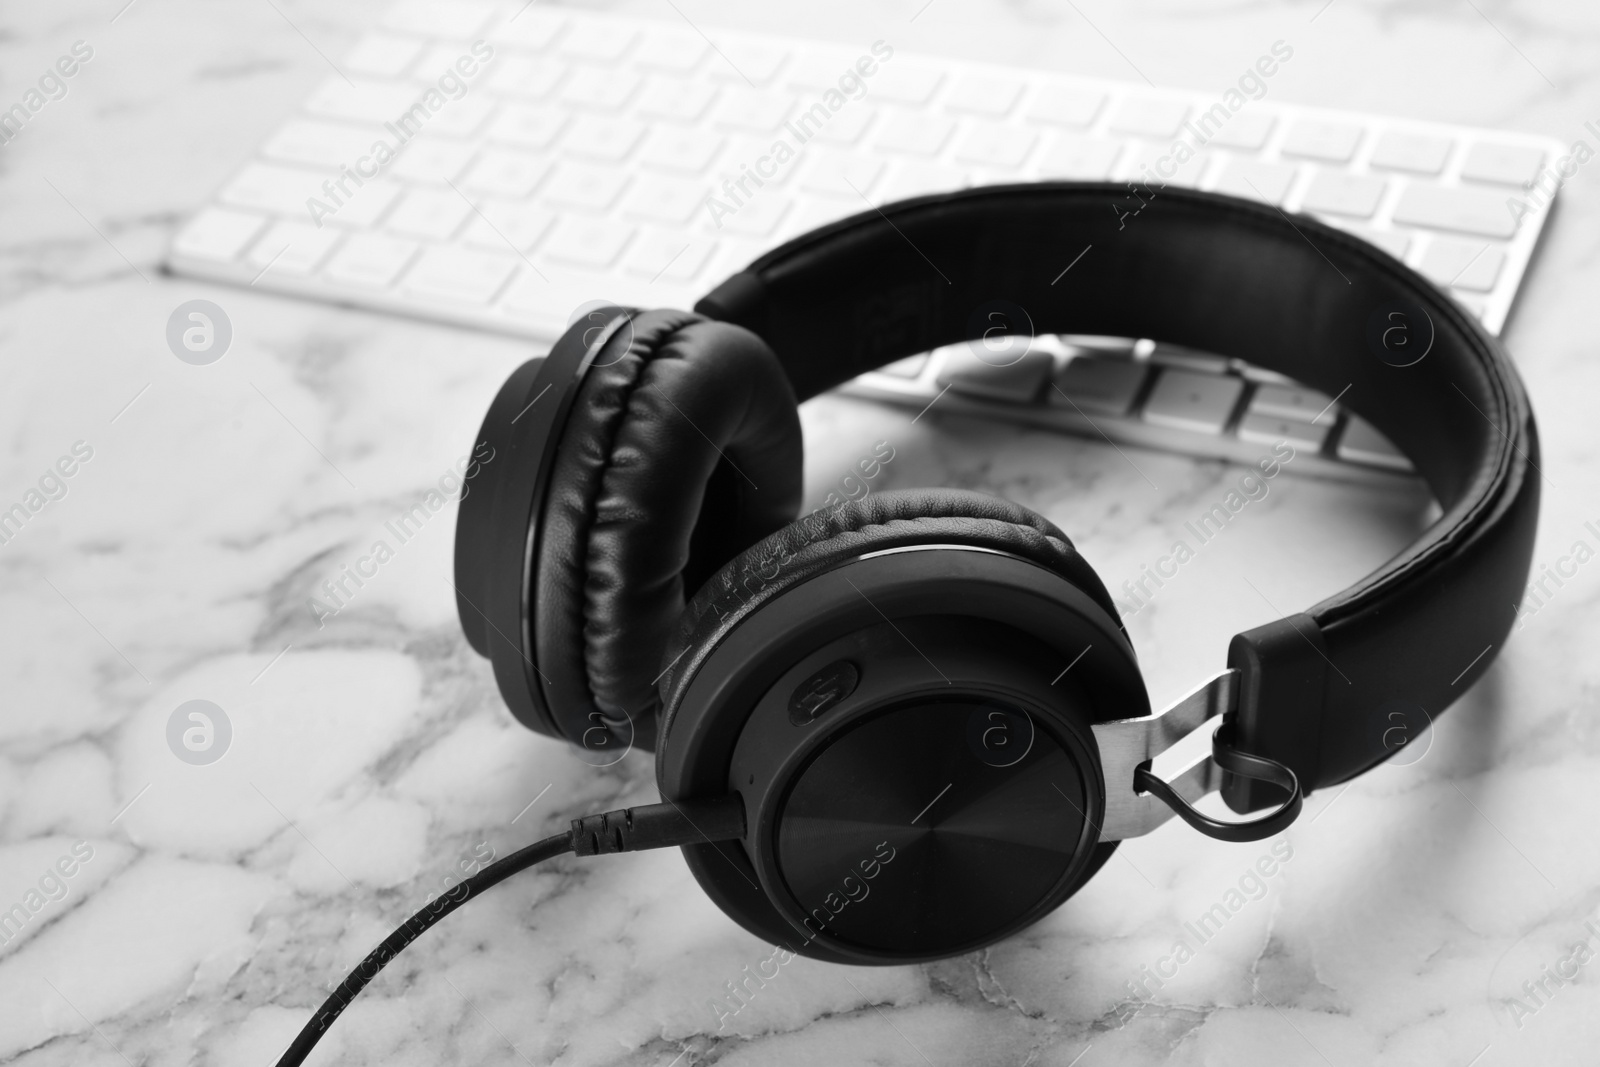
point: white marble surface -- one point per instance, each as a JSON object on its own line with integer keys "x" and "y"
{"x": 374, "y": 755}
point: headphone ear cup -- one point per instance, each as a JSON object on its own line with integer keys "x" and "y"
{"x": 894, "y": 519}
{"x": 682, "y": 448}
{"x": 807, "y": 676}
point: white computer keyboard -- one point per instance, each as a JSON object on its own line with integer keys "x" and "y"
{"x": 573, "y": 156}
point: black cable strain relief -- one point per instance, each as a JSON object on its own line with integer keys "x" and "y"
{"x": 665, "y": 825}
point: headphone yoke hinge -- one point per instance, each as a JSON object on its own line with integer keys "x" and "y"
{"x": 1138, "y": 801}
{"x": 1128, "y": 744}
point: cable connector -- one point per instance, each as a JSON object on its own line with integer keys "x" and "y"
{"x": 666, "y": 825}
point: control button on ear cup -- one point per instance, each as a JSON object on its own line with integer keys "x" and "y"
{"x": 822, "y": 691}
{"x": 899, "y": 838}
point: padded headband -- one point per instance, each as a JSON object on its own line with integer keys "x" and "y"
{"x": 1238, "y": 279}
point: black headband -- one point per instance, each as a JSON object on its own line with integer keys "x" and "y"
{"x": 1237, "y": 279}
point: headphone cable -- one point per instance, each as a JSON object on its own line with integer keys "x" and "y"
{"x": 627, "y": 830}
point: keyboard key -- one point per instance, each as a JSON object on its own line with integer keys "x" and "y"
{"x": 1334, "y": 142}
{"x": 457, "y": 274}
{"x": 1150, "y": 117}
{"x": 461, "y": 118}
{"x": 995, "y": 145}
{"x": 364, "y": 207}
{"x": 1464, "y": 264}
{"x": 432, "y": 161}
{"x": 911, "y": 367}
{"x": 1269, "y": 430}
{"x": 1099, "y": 386}
{"x": 842, "y": 174}
{"x": 370, "y": 259}
{"x": 218, "y": 234}
{"x": 363, "y": 101}
{"x": 529, "y": 77}
{"x": 1339, "y": 193}
{"x": 1165, "y": 355}
{"x": 919, "y": 179}
{"x": 752, "y": 110}
{"x": 274, "y": 189}
{"x": 530, "y": 29}
{"x": 528, "y": 125}
{"x": 507, "y": 226}
{"x": 913, "y": 134}
{"x": 1247, "y": 131}
{"x": 321, "y": 144}
{"x": 1362, "y": 443}
{"x": 429, "y": 18}
{"x": 665, "y": 200}
{"x": 670, "y": 51}
{"x": 598, "y": 42}
{"x": 667, "y": 256}
{"x": 1293, "y": 402}
{"x": 587, "y": 242}
{"x": 1254, "y": 180}
{"x": 806, "y": 123}
{"x": 443, "y": 59}
{"x": 675, "y": 100}
{"x": 903, "y": 82}
{"x": 1018, "y": 380}
{"x": 1142, "y": 163}
{"x": 1502, "y": 164}
{"x": 1394, "y": 242}
{"x": 508, "y": 174}
{"x": 608, "y": 140}
{"x": 816, "y": 72}
{"x": 756, "y": 217}
{"x": 749, "y": 164}
{"x": 846, "y": 127}
{"x": 1415, "y": 152}
{"x": 1464, "y": 210}
{"x": 981, "y": 94}
{"x": 1185, "y": 400}
{"x": 293, "y": 248}
{"x": 382, "y": 55}
{"x": 685, "y": 151}
{"x": 598, "y": 88}
{"x": 585, "y": 186}
{"x": 430, "y": 214}
{"x": 1079, "y": 156}
{"x": 1475, "y": 307}
{"x": 1066, "y": 105}
{"x": 748, "y": 62}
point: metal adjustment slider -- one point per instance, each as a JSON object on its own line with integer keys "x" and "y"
{"x": 1137, "y": 801}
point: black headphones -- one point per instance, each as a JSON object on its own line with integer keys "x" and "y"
{"x": 841, "y": 671}
{"x": 866, "y": 737}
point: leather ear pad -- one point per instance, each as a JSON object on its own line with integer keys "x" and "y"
{"x": 825, "y": 539}
{"x": 682, "y": 448}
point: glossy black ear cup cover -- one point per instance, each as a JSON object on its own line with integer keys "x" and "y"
{"x": 683, "y": 447}
{"x": 824, "y": 538}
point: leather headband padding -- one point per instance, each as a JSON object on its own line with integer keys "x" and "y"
{"x": 1235, "y": 278}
